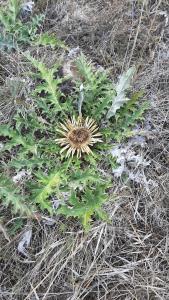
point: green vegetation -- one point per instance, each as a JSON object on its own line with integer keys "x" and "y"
{"x": 29, "y": 139}
{"x": 15, "y": 30}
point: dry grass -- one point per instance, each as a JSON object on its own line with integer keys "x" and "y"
{"x": 127, "y": 259}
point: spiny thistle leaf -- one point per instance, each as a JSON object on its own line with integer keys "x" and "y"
{"x": 14, "y": 9}
{"x": 15, "y": 137}
{"x": 123, "y": 126}
{"x": 121, "y": 87}
{"x": 46, "y": 185}
{"x": 30, "y": 164}
{"x": 83, "y": 209}
{"x": 46, "y": 39}
{"x": 97, "y": 89}
{"x": 9, "y": 194}
{"x": 85, "y": 69}
{"x": 28, "y": 143}
{"x": 51, "y": 84}
{"x": 6, "y": 43}
{"x": 82, "y": 178}
{"x": 9, "y": 17}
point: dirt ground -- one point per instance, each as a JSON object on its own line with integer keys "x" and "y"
{"x": 129, "y": 258}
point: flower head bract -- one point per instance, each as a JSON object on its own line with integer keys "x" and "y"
{"x": 78, "y": 135}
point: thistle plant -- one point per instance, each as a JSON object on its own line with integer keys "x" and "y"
{"x": 54, "y": 142}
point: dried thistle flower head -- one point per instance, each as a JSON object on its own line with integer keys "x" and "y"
{"x": 78, "y": 135}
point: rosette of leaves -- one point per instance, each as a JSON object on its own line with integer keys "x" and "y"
{"x": 29, "y": 142}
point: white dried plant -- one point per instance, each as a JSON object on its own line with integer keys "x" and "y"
{"x": 21, "y": 176}
{"x": 120, "y": 98}
{"x": 25, "y": 242}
